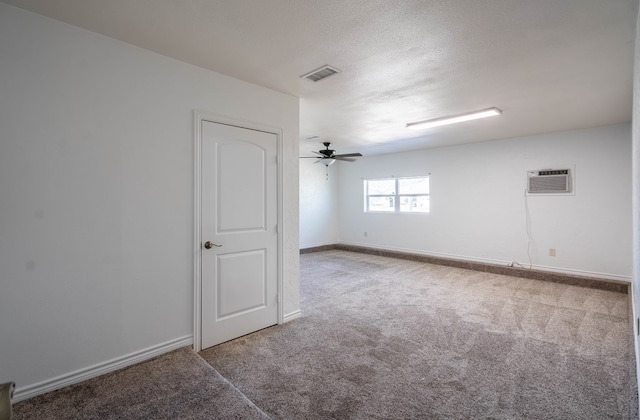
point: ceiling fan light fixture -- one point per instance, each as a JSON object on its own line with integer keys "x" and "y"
{"x": 328, "y": 156}
{"x": 436, "y": 122}
{"x": 327, "y": 162}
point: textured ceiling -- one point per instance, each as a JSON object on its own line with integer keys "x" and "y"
{"x": 550, "y": 65}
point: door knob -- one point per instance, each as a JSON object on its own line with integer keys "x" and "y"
{"x": 210, "y": 245}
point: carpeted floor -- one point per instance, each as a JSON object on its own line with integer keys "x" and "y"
{"x": 395, "y": 339}
{"x": 177, "y": 385}
{"x": 383, "y": 338}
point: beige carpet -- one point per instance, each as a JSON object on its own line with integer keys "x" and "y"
{"x": 177, "y": 385}
{"x": 383, "y": 338}
{"x": 387, "y": 338}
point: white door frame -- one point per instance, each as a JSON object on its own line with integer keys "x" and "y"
{"x": 199, "y": 117}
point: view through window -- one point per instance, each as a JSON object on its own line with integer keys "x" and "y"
{"x": 397, "y": 195}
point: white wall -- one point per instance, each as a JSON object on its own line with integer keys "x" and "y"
{"x": 636, "y": 195}
{"x": 478, "y": 207}
{"x": 96, "y": 196}
{"x": 318, "y": 203}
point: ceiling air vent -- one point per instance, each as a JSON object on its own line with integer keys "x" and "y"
{"x": 321, "y": 73}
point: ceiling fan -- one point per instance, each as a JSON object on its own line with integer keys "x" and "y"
{"x": 328, "y": 156}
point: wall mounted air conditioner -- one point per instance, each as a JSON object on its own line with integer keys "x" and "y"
{"x": 549, "y": 181}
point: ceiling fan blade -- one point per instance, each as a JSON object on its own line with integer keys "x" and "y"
{"x": 348, "y": 155}
{"x": 308, "y": 157}
{"x": 346, "y": 159}
{"x": 317, "y": 153}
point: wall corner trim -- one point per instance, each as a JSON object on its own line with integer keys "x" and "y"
{"x": 291, "y": 316}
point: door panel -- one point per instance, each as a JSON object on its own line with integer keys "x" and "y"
{"x": 244, "y": 164}
{"x": 245, "y": 285}
{"x": 239, "y": 218}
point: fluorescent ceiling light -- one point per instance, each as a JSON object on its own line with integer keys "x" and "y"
{"x": 420, "y": 125}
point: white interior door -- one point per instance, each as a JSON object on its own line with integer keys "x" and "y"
{"x": 239, "y": 232}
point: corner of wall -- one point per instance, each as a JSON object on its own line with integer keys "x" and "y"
{"x": 635, "y": 133}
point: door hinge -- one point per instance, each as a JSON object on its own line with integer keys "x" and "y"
{"x": 276, "y": 229}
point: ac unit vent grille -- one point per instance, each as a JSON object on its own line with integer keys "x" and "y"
{"x": 554, "y": 172}
{"x": 549, "y": 181}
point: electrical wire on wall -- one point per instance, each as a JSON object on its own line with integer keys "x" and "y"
{"x": 527, "y": 217}
{"x": 527, "y": 223}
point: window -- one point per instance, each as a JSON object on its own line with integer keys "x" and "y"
{"x": 397, "y": 195}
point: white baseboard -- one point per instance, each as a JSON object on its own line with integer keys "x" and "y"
{"x": 567, "y": 271}
{"x": 26, "y": 392}
{"x": 581, "y": 273}
{"x": 291, "y": 316}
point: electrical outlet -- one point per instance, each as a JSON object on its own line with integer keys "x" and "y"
{"x": 552, "y": 252}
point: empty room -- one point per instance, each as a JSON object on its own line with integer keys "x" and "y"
{"x": 299, "y": 209}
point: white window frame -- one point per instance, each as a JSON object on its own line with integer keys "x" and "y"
{"x": 396, "y": 196}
